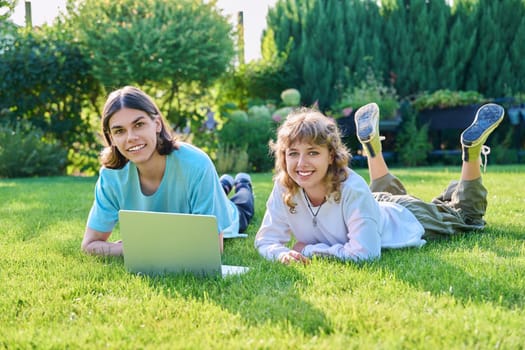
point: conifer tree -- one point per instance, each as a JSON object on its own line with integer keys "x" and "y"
{"x": 322, "y": 53}
{"x": 490, "y": 71}
{"x": 415, "y": 37}
{"x": 517, "y": 55}
{"x": 419, "y": 45}
{"x": 363, "y": 28}
{"x": 313, "y": 31}
{"x": 397, "y": 42}
{"x": 460, "y": 45}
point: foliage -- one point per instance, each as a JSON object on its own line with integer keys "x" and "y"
{"x": 500, "y": 29}
{"x": 459, "y": 48}
{"x": 329, "y": 45}
{"x": 446, "y": 98}
{"x": 135, "y": 41}
{"x": 370, "y": 90}
{"x": 415, "y": 37}
{"x": 6, "y": 9}
{"x": 55, "y": 297}
{"x": 44, "y": 79}
{"x": 231, "y": 160}
{"x": 313, "y": 35}
{"x": 502, "y": 152}
{"x": 412, "y": 142}
{"x": 83, "y": 158}
{"x": 250, "y": 132}
{"x": 291, "y": 97}
{"x": 173, "y": 49}
{"x": 412, "y": 45}
{"x": 279, "y": 115}
{"x": 253, "y": 82}
{"x": 25, "y": 151}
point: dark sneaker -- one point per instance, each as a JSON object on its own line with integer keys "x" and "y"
{"x": 367, "y": 127}
{"x": 488, "y": 117}
{"x": 242, "y": 179}
{"x": 227, "y": 183}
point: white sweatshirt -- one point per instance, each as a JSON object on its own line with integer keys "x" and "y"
{"x": 354, "y": 229}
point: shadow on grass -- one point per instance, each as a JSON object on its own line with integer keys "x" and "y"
{"x": 467, "y": 267}
{"x": 31, "y": 205}
{"x": 265, "y": 295}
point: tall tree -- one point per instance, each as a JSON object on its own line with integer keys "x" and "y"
{"x": 45, "y": 79}
{"x": 516, "y": 55}
{"x": 363, "y": 34}
{"x": 498, "y": 24}
{"x": 415, "y": 38}
{"x": 285, "y": 21}
{"x": 179, "y": 47}
{"x": 460, "y": 46}
{"x": 322, "y": 51}
{"x": 326, "y": 40}
{"x": 420, "y": 45}
{"x": 6, "y": 9}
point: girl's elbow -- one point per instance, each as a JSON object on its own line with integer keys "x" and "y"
{"x": 375, "y": 252}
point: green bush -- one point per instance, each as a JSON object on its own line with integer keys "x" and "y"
{"x": 370, "y": 90}
{"x": 281, "y": 114}
{"x": 445, "y": 98}
{"x": 412, "y": 143}
{"x": 25, "y": 151}
{"x": 259, "y": 80}
{"x": 502, "y": 152}
{"x": 259, "y": 112}
{"x": 45, "y": 80}
{"x": 231, "y": 160}
{"x": 83, "y": 159}
{"x": 251, "y": 132}
{"x": 291, "y": 97}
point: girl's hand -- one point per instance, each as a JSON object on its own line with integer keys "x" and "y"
{"x": 292, "y": 257}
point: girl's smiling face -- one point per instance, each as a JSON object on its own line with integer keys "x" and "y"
{"x": 307, "y": 164}
{"x": 134, "y": 134}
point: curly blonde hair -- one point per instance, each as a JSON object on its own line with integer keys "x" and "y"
{"x": 310, "y": 126}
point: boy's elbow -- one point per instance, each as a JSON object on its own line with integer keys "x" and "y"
{"x": 84, "y": 247}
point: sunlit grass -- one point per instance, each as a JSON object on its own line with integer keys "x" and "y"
{"x": 465, "y": 292}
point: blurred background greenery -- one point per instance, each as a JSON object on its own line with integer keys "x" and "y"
{"x": 407, "y": 55}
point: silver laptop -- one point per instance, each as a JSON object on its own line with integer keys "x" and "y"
{"x": 161, "y": 243}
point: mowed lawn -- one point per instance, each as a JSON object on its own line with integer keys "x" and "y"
{"x": 467, "y": 292}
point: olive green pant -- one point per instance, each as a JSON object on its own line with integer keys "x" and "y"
{"x": 460, "y": 207}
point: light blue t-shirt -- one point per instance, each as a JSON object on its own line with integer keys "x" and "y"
{"x": 190, "y": 185}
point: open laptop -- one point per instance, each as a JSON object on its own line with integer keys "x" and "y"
{"x": 159, "y": 243}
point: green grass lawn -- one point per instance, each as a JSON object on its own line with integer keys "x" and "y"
{"x": 467, "y": 292}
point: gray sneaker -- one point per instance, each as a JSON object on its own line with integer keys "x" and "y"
{"x": 366, "y": 121}
{"x": 488, "y": 117}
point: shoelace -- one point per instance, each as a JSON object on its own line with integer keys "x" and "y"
{"x": 485, "y": 151}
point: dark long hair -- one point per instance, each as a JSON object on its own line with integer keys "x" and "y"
{"x": 133, "y": 98}
{"x": 310, "y": 126}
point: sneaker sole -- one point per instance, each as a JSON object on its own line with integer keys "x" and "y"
{"x": 487, "y": 119}
{"x": 366, "y": 120}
